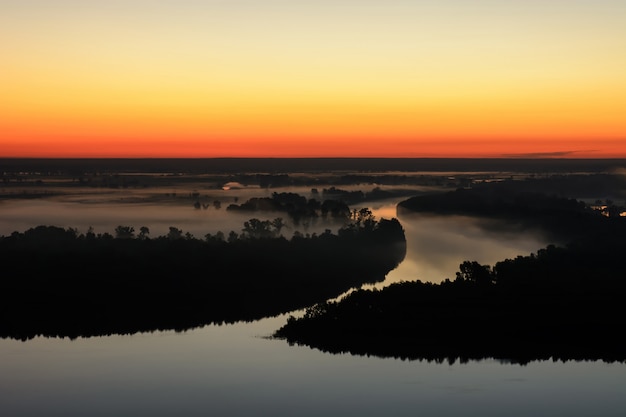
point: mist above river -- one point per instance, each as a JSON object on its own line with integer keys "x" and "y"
{"x": 436, "y": 245}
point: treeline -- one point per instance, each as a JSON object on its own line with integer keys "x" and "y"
{"x": 297, "y": 207}
{"x": 562, "y": 303}
{"x": 307, "y": 165}
{"x": 56, "y": 282}
{"x": 332, "y": 205}
{"x": 562, "y": 217}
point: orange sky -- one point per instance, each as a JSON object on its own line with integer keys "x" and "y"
{"x": 343, "y": 78}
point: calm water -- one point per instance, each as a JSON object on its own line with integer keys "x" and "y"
{"x": 237, "y": 370}
{"x": 234, "y": 371}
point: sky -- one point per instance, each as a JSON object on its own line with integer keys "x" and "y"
{"x": 323, "y": 78}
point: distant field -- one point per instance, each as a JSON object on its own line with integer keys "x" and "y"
{"x": 279, "y": 165}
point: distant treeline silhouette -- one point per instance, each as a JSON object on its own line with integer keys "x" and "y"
{"x": 560, "y": 304}
{"x": 56, "y": 282}
{"x": 563, "y": 302}
{"x": 562, "y": 217}
{"x": 308, "y": 165}
{"x": 297, "y": 207}
{"x": 309, "y": 212}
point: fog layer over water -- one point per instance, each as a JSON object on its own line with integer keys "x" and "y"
{"x": 436, "y": 245}
{"x": 106, "y": 216}
{"x": 157, "y": 208}
{"x": 104, "y": 211}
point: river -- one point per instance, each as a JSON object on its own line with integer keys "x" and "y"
{"x": 238, "y": 369}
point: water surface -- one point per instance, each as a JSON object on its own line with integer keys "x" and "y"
{"x": 237, "y": 370}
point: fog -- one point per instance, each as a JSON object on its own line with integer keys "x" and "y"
{"x": 158, "y": 208}
{"x": 105, "y": 217}
{"x": 436, "y": 245}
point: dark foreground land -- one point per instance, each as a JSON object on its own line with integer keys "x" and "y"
{"x": 555, "y": 304}
{"x": 58, "y": 283}
{"x": 565, "y": 303}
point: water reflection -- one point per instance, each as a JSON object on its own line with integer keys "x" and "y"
{"x": 231, "y": 370}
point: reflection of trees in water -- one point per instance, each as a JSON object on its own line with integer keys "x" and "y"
{"x": 61, "y": 283}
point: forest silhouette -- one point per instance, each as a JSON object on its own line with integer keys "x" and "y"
{"x": 564, "y": 302}
{"x": 57, "y": 282}
{"x": 517, "y": 202}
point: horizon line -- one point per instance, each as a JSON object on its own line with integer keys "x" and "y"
{"x": 509, "y": 156}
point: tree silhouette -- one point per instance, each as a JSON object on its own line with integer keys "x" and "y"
{"x": 124, "y": 232}
{"x": 174, "y": 233}
{"x": 144, "y": 232}
{"x": 257, "y": 229}
{"x": 232, "y": 236}
{"x": 475, "y": 273}
{"x": 278, "y": 224}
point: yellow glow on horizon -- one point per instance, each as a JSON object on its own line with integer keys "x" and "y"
{"x": 332, "y": 78}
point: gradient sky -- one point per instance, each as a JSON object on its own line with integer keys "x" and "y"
{"x": 282, "y": 78}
